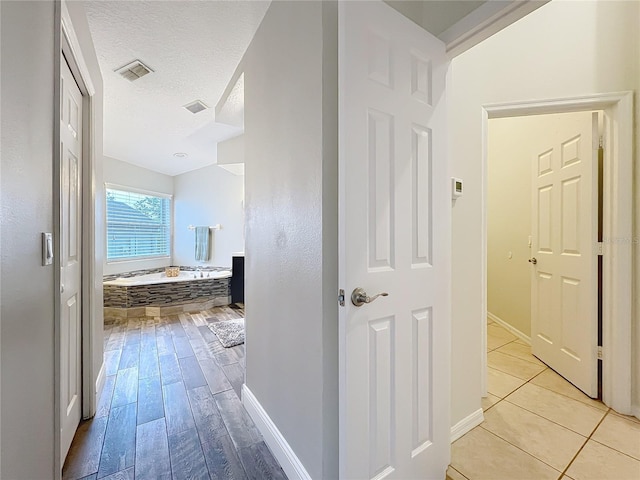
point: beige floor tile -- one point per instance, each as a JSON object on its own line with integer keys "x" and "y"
{"x": 552, "y": 381}
{"x": 599, "y": 462}
{"x": 522, "y": 342}
{"x": 453, "y": 474}
{"x": 545, "y": 440}
{"x": 497, "y": 331}
{"x": 513, "y": 366}
{"x": 489, "y": 401}
{"x": 628, "y": 417}
{"x": 560, "y": 409}
{"x": 495, "y": 342}
{"x": 501, "y": 384}
{"x": 480, "y": 455}
{"x": 620, "y": 434}
{"x": 523, "y": 352}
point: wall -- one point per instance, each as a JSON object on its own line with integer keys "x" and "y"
{"x": 27, "y": 298}
{"x": 561, "y": 49}
{"x": 125, "y": 174}
{"x": 291, "y": 223}
{"x": 26, "y": 192}
{"x": 509, "y": 221}
{"x": 208, "y": 196}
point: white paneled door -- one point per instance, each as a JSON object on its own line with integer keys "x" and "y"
{"x": 70, "y": 261}
{"x": 394, "y": 238}
{"x": 564, "y": 291}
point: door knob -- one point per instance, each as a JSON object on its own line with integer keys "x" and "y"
{"x": 359, "y": 297}
{"x": 533, "y": 260}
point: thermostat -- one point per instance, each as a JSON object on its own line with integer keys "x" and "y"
{"x": 456, "y": 187}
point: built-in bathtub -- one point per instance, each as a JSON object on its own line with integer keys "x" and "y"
{"x": 152, "y": 293}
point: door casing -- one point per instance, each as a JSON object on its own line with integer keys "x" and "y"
{"x": 69, "y": 46}
{"x": 618, "y": 210}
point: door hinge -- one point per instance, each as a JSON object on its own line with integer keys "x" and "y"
{"x": 600, "y": 248}
{"x": 601, "y": 142}
{"x": 599, "y": 352}
{"x": 341, "y": 297}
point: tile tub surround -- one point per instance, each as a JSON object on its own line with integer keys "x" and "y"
{"x": 164, "y": 298}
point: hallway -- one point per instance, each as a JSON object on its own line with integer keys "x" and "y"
{"x": 538, "y": 426}
{"x": 171, "y": 406}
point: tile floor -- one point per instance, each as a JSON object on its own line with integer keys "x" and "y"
{"x": 538, "y": 426}
{"x": 171, "y": 408}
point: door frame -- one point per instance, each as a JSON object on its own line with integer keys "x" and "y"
{"x": 68, "y": 47}
{"x": 618, "y": 240}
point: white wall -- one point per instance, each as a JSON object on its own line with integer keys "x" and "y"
{"x": 291, "y": 223}
{"x": 124, "y": 174}
{"x": 26, "y": 196}
{"x": 561, "y": 49}
{"x": 208, "y": 196}
{"x": 27, "y": 209}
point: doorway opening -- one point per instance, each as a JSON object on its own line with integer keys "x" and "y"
{"x": 616, "y": 204}
{"x": 544, "y": 225}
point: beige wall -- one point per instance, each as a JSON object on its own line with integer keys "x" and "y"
{"x": 512, "y": 143}
{"x": 509, "y": 222}
{"x": 562, "y": 49}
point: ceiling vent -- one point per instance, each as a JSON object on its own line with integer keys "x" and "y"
{"x": 134, "y": 70}
{"x": 195, "y": 107}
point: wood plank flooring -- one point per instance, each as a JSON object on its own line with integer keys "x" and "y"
{"x": 171, "y": 406}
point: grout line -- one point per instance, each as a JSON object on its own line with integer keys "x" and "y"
{"x": 548, "y": 419}
{"x": 458, "y": 472}
{"x": 564, "y": 472}
{"x": 520, "y": 448}
{"x": 537, "y": 362}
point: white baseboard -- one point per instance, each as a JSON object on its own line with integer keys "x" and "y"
{"x": 100, "y": 380}
{"x": 511, "y": 328}
{"x": 466, "y": 424}
{"x": 276, "y": 442}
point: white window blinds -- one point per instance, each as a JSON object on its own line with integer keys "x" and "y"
{"x": 138, "y": 225}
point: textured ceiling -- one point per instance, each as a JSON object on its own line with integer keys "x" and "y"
{"x": 193, "y": 47}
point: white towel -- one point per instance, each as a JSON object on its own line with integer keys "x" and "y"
{"x": 202, "y": 244}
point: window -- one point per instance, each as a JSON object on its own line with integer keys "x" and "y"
{"x": 138, "y": 225}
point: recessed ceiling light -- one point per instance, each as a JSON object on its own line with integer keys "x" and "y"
{"x": 196, "y": 106}
{"x": 134, "y": 70}
{"x": 180, "y": 155}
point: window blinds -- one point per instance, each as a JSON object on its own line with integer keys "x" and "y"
{"x": 138, "y": 225}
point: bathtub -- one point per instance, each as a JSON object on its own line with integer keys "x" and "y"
{"x": 161, "y": 277}
{"x": 155, "y": 294}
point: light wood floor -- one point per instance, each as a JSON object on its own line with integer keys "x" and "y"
{"x": 171, "y": 406}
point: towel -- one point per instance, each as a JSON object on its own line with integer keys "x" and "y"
{"x": 202, "y": 244}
